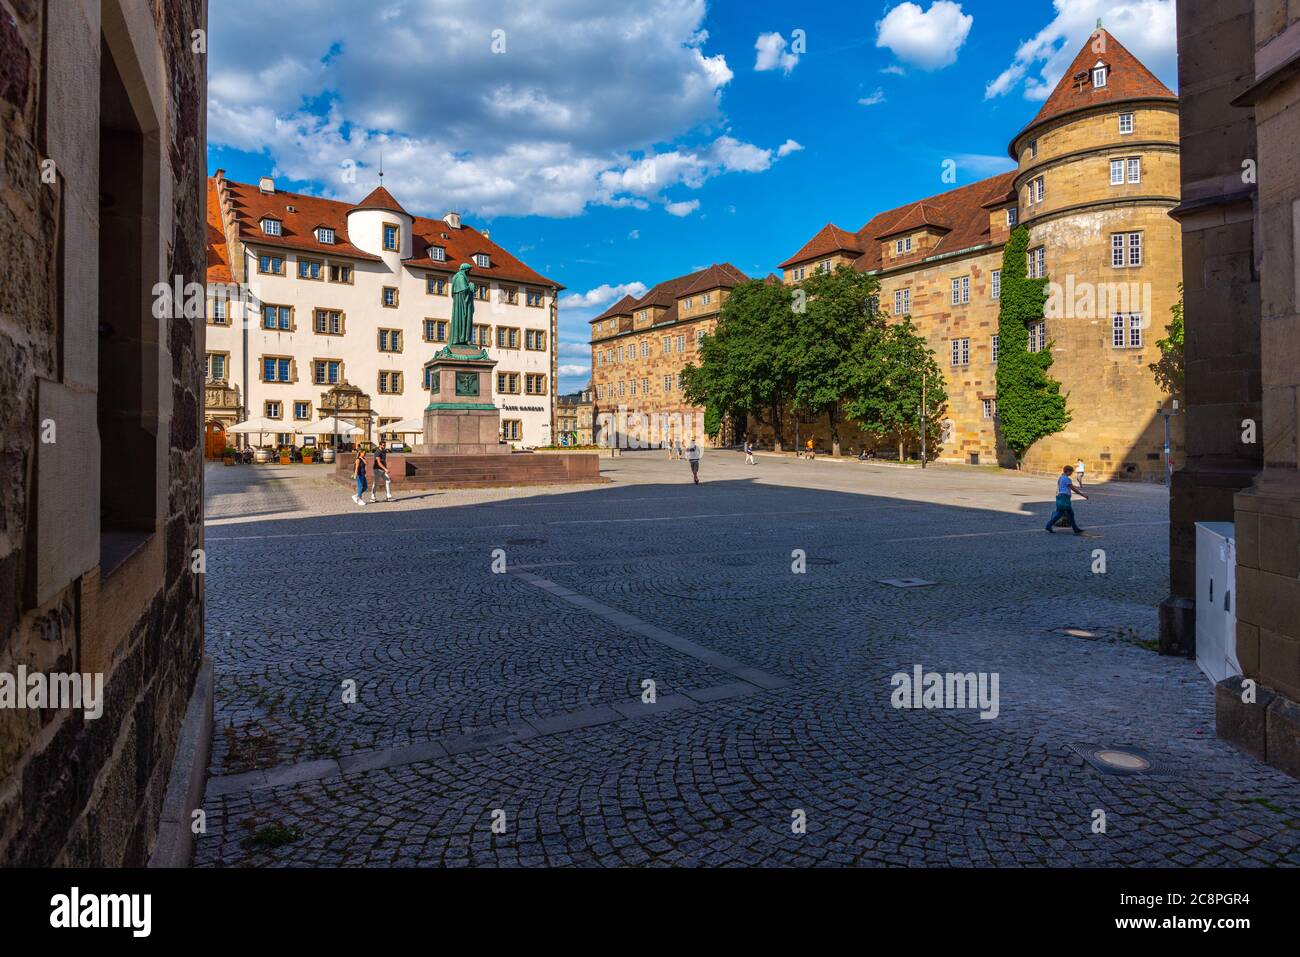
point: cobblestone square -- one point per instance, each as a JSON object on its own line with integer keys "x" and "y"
{"x": 515, "y": 699}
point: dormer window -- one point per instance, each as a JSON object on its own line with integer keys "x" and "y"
{"x": 902, "y": 246}
{"x": 438, "y": 254}
{"x": 325, "y": 235}
{"x": 482, "y": 260}
{"x": 1099, "y": 76}
{"x": 270, "y": 226}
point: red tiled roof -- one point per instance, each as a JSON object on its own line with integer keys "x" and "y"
{"x": 381, "y": 198}
{"x": 725, "y": 276}
{"x": 218, "y": 256}
{"x": 918, "y": 216}
{"x": 1126, "y": 79}
{"x": 829, "y": 239}
{"x": 621, "y": 308}
{"x": 298, "y": 231}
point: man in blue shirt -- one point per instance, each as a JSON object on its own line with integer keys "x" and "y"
{"x": 1065, "y": 487}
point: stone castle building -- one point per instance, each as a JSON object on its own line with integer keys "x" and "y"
{"x": 1097, "y": 172}
{"x": 639, "y": 347}
{"x": 102, "y": 137}
{"x": 320, "y": 308}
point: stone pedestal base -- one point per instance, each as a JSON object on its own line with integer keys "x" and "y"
{"x": 461, "y": 418}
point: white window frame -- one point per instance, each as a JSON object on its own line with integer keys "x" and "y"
{"x": 1130, "y": 124}
{"x": 325, "y": 234}
{"x": 995, "y": 284}
{"x": 1099, "y": 76}
{"x": 993, "y": 348}
{"x": 1117, "y": 172}
{"x": 482, "y": 260}
{"x": 1133, "y": 165}
{"x": 270, "y": 226}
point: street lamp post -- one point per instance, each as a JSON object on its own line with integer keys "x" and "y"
{"x": 1169, "y": 461}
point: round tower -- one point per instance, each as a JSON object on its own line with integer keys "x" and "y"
{"x": 379, "y": 225}
{"x": 1097, "y": 176}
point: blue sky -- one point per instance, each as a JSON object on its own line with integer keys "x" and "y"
{"x": 612, "y": 144}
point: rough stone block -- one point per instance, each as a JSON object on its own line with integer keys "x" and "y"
{"x": 1240, "y": 724}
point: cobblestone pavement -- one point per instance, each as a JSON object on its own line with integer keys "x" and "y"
{"x": 515, "y": 699}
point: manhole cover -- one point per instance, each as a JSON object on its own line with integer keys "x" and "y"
{"x": 525, "y": 541}
{"x": 906, "y": 582}
{"x": 1115, "y": 760}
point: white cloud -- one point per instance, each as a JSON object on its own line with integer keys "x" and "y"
{"x": 773, "y": 54}
{"x": 788, "y": 147}
{"x": 1145, "y": 27}
{"x": 683, "y": 209}
{"x": 571, "y": 349}
{"x": 894, "y": 70}
{"x": 602, "y": 295}
{"x": 574, "y": 370}
{"x": 873, "y": 99}
{"x": 546, "y": 127}
{"x": 634, "y": 234}
{"x": 928, "y": 39}
{"x": 984, "y": 164}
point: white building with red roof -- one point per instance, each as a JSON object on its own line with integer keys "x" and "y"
{"x": 318, "y": 307}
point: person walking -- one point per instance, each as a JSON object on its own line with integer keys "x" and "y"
{"x": 693, "y": 455}
{"x": 359, "y": 473}
{"x": 809, "y": 453}
{"x": 678, "y": 449}
{"x": 1065, "y": 487}
{"x": 379, "y": 471}
{"x": 749, "y": 451}
{"x": 1078, "y": 472}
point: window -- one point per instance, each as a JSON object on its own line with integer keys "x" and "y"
{"x": 279, "y": 318}
{"x": 392, "y": 236}
{"x": 993, "y": 349}
{"x": 902, "y": 246}
{"x": 535, "y": 339}
{"x": 1116, "y": 172}
{"x": 622, "y": 389}
{"x": 1013, "y": 217}
{"x": 1134, "y": 169}
{"x": 1033, "y": 149}
{"x": 507, "y": 337}
{"x": 327, "y": 322}
{"x": 645, "y": 386}
{"x": 482, "y": 335}
{"x": 340, "y": 273}
{"x": 310, "y": 269}
{"x": 389, "y": 297}
{"x": 390, "y": 383}
{"x": 688, "y": 302}
{"x": 668, "y": 383}
{"x": 270, "y": 226}
{"x": 796, "y": 273}
{"x": 824, "y": 266}
{"x": 508, "y": 383}
{"x": 215, "y": 365}
{"x": 302, "y": 411}
{"x": 435, "y": 330}
{"x": 699, "y": 339}
{"x": 1126, "y": 122}
{"x": 681, "y": 343}
{"x": 668, "y": 345}
{"x": 1126, "y": 330}
{"x": 995, "y": 284}
{"x": 1125, "y": 249}
{"x": 272, "y": 410}
{"x": 482, "y": 260}
{"x": 326, "y": 371}
{"x": 1039, "y": 189}
{"x": 325, "y": 235}
{"x": 1099, "y": 76}
{"x": 1037, "y": 336}
{"x": 218, "y": 311}
{"x": 482, "y": 291}
{"x": 511, "y": 430}
{"x": 1037, "y": 267}
{"x": 902, "y": 302}
{"x": 961, "y": 352}
{"x": 990, "y": 408}
{"x": 961, "y": 290}
{"x": 645, "y": 349}
{"x": 534, "y": 383}
{"x": 277, "y": 369}
{"x": 510, "y": 295}
{"x": 270, "y": 265}
{"x": 533, "y": 298}
{"x": 390, "y": 340}
{"x": 438, "y": 254}
{"x": 435, "y": 286}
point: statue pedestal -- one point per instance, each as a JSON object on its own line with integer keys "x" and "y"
{"x": 461, "y": 418}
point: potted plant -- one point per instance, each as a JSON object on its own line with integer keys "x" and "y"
{"x": 228, "y": 455}
{"x": 307, "y": 453}
{"x": 286, "y": 455}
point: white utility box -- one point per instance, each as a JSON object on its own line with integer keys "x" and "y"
{"x": 1216, "y": 596}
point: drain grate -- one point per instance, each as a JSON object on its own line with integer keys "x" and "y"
{"x": 1121, "y": 760}
{"x": 906, "y": 582}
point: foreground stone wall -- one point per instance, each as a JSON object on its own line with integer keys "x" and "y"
{"x": 75, "y": 789}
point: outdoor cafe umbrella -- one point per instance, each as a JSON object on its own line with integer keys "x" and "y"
{"x": 332, "y": 425}
{"x": 404, "y": 426}
{"x": 259, "y": 427}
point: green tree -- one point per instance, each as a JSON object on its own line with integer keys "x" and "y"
{"x": 891, "y": 371}
{"x": 746, "y": 364}
{"x": 834, "y": 322}
{"x": 1170, "y": 370}
{"x": 1030, "y": 404}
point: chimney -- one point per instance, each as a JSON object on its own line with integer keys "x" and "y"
{"x": 266, "y": 184}
{"x": 452, "y": 219}
{"x": 486, "y": 234}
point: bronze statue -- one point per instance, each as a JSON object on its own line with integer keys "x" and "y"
{"x": 462, "y": 308}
